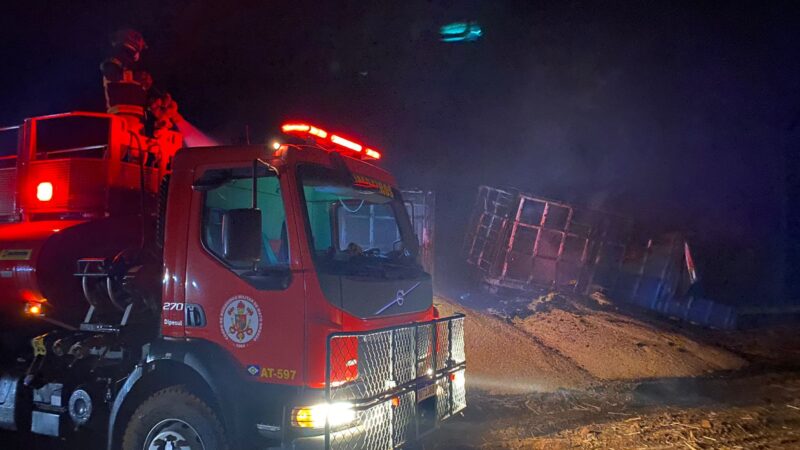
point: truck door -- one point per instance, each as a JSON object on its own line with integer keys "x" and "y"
{"x": 253, "y": 310}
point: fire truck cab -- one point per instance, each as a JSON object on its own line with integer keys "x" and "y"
{"x": 237, "y": 296}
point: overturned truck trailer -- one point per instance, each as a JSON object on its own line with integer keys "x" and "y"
{"x": 519, "y": 242}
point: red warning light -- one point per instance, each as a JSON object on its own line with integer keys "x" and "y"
{"x": 332, "y": 142}
{"x": 289, "y": 128}
{"x": 44, "y": 191}
{"x": 338, "y": 140}
{"x": 314, "y": 131}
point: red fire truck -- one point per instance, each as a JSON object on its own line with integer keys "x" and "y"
{"x": 217, "y": 297}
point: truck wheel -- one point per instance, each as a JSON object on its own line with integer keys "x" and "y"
{"x": 174, "y": 419}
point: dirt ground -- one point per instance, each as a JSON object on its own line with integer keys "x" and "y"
{"x": 684, "y": 388}
{"x": 741, "y": 411}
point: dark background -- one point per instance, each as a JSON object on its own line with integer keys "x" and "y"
{"x": 683, "y": 114}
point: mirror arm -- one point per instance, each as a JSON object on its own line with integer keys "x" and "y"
{"x": 255, "y": 199}
{"x": 269, "y": 167}
{"x": 255, "y": 184}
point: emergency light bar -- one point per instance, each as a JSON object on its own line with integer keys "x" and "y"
{"x": 334, "y": 142}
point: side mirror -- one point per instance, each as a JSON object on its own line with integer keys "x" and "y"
{"x": 241, "y": 234}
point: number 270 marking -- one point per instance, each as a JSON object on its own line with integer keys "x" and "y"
{"x": 173, "y": 306}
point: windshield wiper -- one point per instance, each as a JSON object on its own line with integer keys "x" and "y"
{"x": 394, "y": 269}
{"x": 371, "y": 265}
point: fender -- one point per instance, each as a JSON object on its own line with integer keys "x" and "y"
{"x": 119, "y": 399}
{"x": 205, "y": 361}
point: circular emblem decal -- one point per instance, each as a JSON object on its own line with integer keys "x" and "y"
{"x": 240, "y": 321}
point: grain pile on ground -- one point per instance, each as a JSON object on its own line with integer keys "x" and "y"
{"x": 612, "y": 346}
{"x": 503, "y": 360}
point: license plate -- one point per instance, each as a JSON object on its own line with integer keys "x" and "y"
{"x": 426, "y": 392}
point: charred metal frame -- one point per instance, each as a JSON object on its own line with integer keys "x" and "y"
{"x": 522, "y": 242}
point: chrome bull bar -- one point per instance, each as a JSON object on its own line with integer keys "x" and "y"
{"x": 401, "y": 381}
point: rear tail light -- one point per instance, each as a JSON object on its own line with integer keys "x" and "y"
{"x": 44, "y": 191}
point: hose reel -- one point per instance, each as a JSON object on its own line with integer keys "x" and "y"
{"x": 112, "y": 285}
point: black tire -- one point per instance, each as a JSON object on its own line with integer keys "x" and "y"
{"x": 174, "y": 415}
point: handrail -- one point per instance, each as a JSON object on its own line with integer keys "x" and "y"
{"x": 72, "y": 150}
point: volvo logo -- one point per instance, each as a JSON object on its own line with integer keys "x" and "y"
{"x": 399, "y": 299}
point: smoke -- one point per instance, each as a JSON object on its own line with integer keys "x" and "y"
{"x": 491, "y": 384}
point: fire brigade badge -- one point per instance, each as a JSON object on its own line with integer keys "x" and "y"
{"x": 240, "y": 321}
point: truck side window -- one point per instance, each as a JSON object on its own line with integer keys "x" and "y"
{"x": 72, "y": 137}
{"x": 233, "y": 189}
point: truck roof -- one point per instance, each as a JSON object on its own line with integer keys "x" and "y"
{"x": 287, "y": 155}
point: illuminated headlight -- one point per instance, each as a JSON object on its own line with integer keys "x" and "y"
{"x": 458, "y": 379}
{"x": 336, "y": 414}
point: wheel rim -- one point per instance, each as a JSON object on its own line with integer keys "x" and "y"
{"x": 173, "y": 434}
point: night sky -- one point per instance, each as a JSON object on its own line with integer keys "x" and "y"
{"x": 684, "y": 115}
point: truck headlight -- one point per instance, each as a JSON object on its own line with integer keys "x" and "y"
{"x": 336, "y": 414}
{"x": 458, "y": 379}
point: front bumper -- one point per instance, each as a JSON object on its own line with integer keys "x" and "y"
{"x": 395, "y": 423}
{"x": 409, "y": 379}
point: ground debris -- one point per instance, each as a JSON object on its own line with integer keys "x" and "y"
{"x": 731, "y": 414}
{"x": 671, "y": 430}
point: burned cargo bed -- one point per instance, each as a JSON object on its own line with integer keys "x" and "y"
{"x": 519, "y": 242}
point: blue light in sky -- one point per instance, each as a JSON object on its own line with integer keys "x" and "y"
{"x": 461, "y": 32}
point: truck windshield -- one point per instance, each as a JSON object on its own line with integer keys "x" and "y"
{"x": 357, "y": 228}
